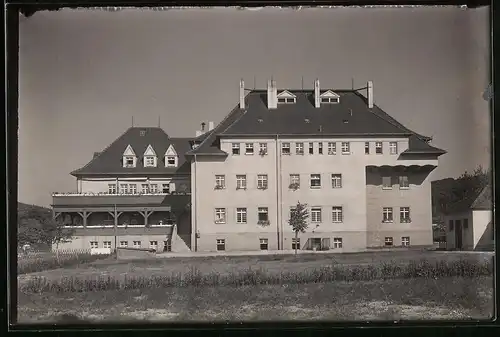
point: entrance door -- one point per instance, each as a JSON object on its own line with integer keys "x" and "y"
{"x": 458, "y": 234}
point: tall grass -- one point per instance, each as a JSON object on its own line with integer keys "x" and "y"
{"x": 253, "y": 277}
{"x": 35, "y": 262}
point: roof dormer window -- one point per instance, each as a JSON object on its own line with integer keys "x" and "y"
{"x": 329, "y": 97}
{"x": 171, "y": 157}
{"x": 150, "y": 159}
{"x": 286, "y": 97}
{"x": 129, "y": 158}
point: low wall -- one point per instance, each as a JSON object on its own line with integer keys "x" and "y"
{"x": 135, "y": 253}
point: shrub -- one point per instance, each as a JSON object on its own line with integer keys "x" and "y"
{"x": 36, "y": 262}
{"x": 254, "y": 277}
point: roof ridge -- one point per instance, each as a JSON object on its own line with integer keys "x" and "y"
{"x": 104, "y": 150}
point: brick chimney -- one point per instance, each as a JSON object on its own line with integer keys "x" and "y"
{"x": 198, "y": 133}
{"x": 317, "y": 101}
{"x": 210, "y": 126}
{"x": 369, "y": 95}
{"x": 272, "y": 95}
{"x": 242, "y": 94}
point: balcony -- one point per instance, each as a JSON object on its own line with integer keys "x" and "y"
{"x": 106, "y": 199}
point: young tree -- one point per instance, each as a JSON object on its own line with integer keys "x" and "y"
{"x": 298, "y": 220}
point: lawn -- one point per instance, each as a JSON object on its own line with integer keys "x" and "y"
{"x": 381, "y": 298}
{"x": 409, "y": 299}
{"x": 232, "y": 264}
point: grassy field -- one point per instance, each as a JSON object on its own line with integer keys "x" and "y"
{"x": 226, "y": 265}
{"x": 438, "y": 295}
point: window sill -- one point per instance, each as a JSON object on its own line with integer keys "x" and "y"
{"x": 249, "y": 154}
{"x": 315, "y": 187}
{"x": 404, "y": 188}
{"x": 337, "y": 221}
{"x": 387, "y": 221}
{"x": 285, "y": 154}
{"x": 346, "y": 153}
{"x": 387, "y": 188}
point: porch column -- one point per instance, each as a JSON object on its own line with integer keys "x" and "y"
{"x": 84, "y": 216}
{"x": 146, "y": 213}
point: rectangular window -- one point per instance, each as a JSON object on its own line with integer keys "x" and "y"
{"x": 337, "y": 242}
{"x": 393, "y": 148}
{"x": 367, "y": 147}
{"x": 315, "y": 180}
{"x": 241, "y": 215}
{"x": 346, "y": 148}
{"x": 404, "y": 214}
{"x": 311, "y": 148}
{"x": 107, "y": 244}
{"x": 337, "y": 214}
{"x": 262, "y": 149}
{"x": 405, "y": 241}
{"x": 94, "y": 244}
{"x": 466, "y": 223}
{"x": 167, "y": 246}
{"x": 386, "y": 183}
{"x": 129, "y": 161}
{"x": 137, "y": 244}
{"x": 336, "y": 180}
{"x": 285, "y": 148}
{"x": 263, "y": 214}
{"x": 124, "y": 188}
{"x": 404, "y": 182}
{"x": 241, "y": 182}
{"x": 294, "y": 181}
{"x": 262, "y": 181}
{"x": 388, "y": 241}
{"x": 378, "y": 148}
{"x": 249, "y": 148}
{"x": 112, "y": 188}
{"x": 263, "y": 244}
{"x": 220, "y": 215}
{"x": 153, "y": 188}
{"x": 332, "y": 148}
{"x": 236, "y": 149}
{"x": 153, "y": 245}
{"x": 299, "y": 148}
{"x": 132, "y": 188}
{"x": 295, "y": 243}
{"x": 220, "y": 181}
{"x": 221, "y": 244}
{"x": 150, "y": 161}
{"x": 123, "y": 243}
{"x": 320, "y": 148}
{"x": 387, "y": 215}
{"x": 316, "y": 214}
{"x": 144, "y": 188}
{"x": 171, "y": 161}
{"x": 451, "y": 225}
{"x": 165, "y": 188}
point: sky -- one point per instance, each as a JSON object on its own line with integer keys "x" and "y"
{"x": 84, "y": 74}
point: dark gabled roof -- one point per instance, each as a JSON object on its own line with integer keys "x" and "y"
{"x": 350, "y": 117}
{"x": 485, "y": 199}
{"x": 109, "y": 161}
{"x": 477, "y": 197}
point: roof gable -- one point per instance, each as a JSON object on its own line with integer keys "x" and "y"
{"x": 329, "y": 94}
{"x": 129, "y": 151}
{"x": 286, "y": 94}
{"x": 171, "y": 151}
{"x": 149, "y": 151}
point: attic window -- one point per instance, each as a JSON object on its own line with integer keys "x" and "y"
{"x": 330, "y": 100}
{"x": 307, "y": 120}
{"x": 143, "y": 133}
{"x": 260, "y": 120}
{"x": 129, "y": 161}
{"x": 345, "y": 121}
{"x": 286, "y": 100}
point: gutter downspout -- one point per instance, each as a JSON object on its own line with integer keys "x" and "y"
{"x": 195, "y": 218}
{"x": 278, "y": 187}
